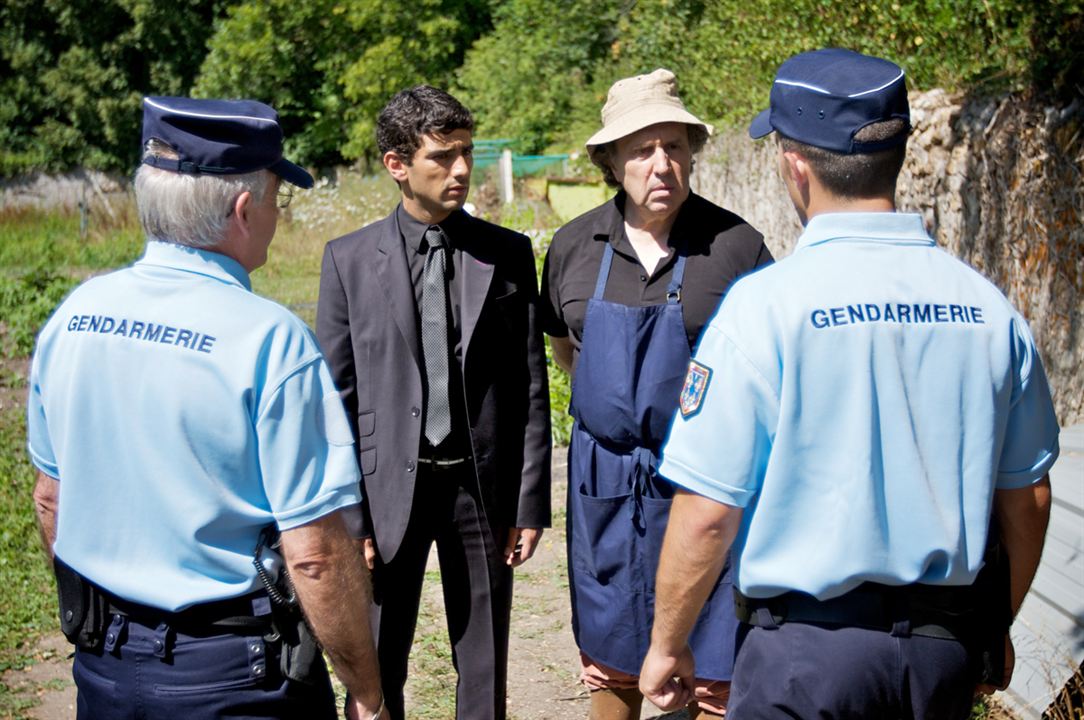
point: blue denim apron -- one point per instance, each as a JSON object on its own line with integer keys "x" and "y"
{"x": 631, "y": 367}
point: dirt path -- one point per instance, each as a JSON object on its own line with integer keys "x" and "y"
{"x": 543, "y": 660}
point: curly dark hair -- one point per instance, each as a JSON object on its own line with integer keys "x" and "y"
{"x": 418, "y": 111}
{"x": 603, "y": 155}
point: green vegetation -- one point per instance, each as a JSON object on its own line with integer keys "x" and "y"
{"x": 72, "y": 71}
{"x": 329, "y": 65}
{"x": 27, "y": 599}
{"x": 725, "y": 53}
{"x": 43, "y": 256}
{"x": 26, "y": 301}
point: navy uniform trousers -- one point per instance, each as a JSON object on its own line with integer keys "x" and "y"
{"x": 814, "y": 672}
{"x": 158, "y": 673}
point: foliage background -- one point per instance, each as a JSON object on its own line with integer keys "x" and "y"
{"x": 72, "y": 72}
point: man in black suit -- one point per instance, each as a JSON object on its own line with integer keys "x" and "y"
{"x": 427, "y": 319}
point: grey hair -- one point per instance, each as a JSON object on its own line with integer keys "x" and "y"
{"x": 190, "y": 209}
{"x": 603, "y": 155}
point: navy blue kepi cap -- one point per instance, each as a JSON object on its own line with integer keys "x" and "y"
{"x": 220, "y": 137}
{"x": 823, "y": 97}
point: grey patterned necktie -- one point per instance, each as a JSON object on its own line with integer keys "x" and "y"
{"x": 434, "y": 314}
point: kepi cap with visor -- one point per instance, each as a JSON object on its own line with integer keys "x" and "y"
{"x": 824, "y": 97}
{"x": 637, "y": 102}
{"x": 219, "y": 137}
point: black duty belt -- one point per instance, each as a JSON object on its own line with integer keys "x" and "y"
{"x": 234, "y": 615}
{"x": 947, "y": 612}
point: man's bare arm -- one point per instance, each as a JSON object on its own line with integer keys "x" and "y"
{"x": 1023, "y": 515}
{"x": 332, "y": 583}
{"x": 698, "y": 538}
{"x": 562, "y": 352}
{"x": 46, "y": 503}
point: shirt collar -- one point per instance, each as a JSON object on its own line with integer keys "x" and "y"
{"x": 195, "y": 260}
{"x": 885, "y": 227}
{"x": 413, "y": 229}
{"x": 611, "y": 226}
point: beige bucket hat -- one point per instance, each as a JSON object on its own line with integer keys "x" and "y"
{"x": 637, "y": 102}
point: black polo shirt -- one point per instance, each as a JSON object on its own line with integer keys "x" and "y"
{"x": 719, "y": 245}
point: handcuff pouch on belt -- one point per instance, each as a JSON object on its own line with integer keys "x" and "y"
{"x": 300, "y": 649}
{"x": 84, "y": 608}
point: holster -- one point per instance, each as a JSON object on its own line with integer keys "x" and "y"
{"x": 84, "y": 608}
{"x": 300, "y": 649}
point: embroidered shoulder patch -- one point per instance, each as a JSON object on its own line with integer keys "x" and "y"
{"x": 696, "y": 384}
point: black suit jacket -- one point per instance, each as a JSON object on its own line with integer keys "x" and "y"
{"x": 366, "y": 324}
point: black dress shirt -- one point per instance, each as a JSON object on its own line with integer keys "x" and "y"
{"x": 412, "y": 231}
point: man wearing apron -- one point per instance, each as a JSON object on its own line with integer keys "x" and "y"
{"x": 627, "y": 288}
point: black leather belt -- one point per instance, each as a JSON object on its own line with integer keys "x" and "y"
{"x": 443, "y": 462}
{"x": 931, "y": 611}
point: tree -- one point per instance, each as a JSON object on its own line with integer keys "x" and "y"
{"x": 541, "y": 76}
{"x": 72, "y": 73}
{"x": 328, "y": 66}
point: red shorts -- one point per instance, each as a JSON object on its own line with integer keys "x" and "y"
{"x": 711, "y": 695}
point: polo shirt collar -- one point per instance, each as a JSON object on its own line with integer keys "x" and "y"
{"x": 885, "y": 227}
{"x": 195, "y": 260}
{"x": 610, "y": 226}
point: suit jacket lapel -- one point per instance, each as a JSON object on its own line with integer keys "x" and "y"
{"x": 477, "y": 277}
{"x": 394, "y": 275}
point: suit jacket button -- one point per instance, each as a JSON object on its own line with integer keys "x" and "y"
{"x": 415, "y": 412}
{"x": 410, "y": 466}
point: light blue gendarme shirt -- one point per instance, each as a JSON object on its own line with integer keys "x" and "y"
{"x": 182, "y": 414}
{"x": 867, "y": 395}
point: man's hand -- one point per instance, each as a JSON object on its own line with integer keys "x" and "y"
{"x": 521, "y": 545}
{"x": 698, "y": 537}
{"x": 668, "y": 680}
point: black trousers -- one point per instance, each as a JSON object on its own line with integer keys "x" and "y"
{"x": 477, "y": 589}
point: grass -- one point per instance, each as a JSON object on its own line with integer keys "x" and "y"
{"x": 27, "y": 598}
{"x": 432, "y": 678}
{"x": 32, "y": 238}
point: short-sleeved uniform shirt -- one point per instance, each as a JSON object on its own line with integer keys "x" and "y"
{"x": 720, "y": 247}
{"x": 182, "y": 414}
{"x": 873, "y": 392}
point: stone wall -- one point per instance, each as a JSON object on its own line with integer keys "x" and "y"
{"x": 1000, "y": 183}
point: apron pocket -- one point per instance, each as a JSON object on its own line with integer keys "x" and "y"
{"x": 603, "y": 538}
